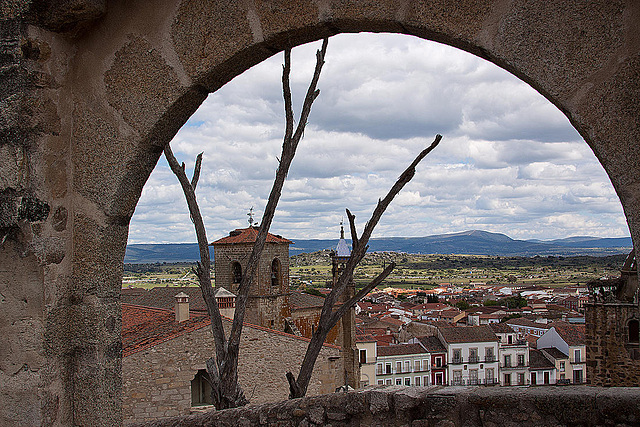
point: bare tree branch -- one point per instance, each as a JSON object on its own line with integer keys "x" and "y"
{"x": 223, "y": 371}
{"x": 196, "y": 171}
{"x": 298, "y": 387}
{"x": 204, "y": 266}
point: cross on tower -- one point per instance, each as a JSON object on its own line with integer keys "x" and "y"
{"x": 250, "y": 214}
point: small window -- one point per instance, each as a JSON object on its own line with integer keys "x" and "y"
{"x": 387, "y": 368}
{"x": 398, "y": 381}
{"x": 275, "y": 272}
{"x": 416, "y": 381}
{"x": 363, "y": 356}
{"x": 236, "y": 271}
{"x": 407, "y": 381}
{"x": 380, "y": 371}
{"x": 634, "y": 333}
{"x": 200, "y": 389}
{"x": 380, "y": 382}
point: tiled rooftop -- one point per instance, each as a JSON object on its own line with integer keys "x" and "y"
{"x": 249, "y": 235}
{"x": 570, "y": 333}
{"x": 401, "y": 350}
{"x": 298, "y": 300}
{"x": 538, "y": 361}
{"x": 468, "y": 334}
{"x": 432, "y": 344}
{"x": 144, "y": 327}
{"x": 163, "y": 297}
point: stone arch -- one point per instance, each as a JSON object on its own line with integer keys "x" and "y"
{"x": 236, "y": 272}
{"x": 100, "y": 90}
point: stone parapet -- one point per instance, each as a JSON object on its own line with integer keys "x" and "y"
{"x": 437, "y": 406}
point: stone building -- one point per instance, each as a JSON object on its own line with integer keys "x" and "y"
{"x": 164, "y": 363}
{"x": 612, "y": 330}
{"x": 268, "y": 303}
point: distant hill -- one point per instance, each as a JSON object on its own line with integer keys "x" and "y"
{"x": 474, "y": 242}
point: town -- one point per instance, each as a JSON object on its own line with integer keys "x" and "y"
{"x": 448, "y": 334}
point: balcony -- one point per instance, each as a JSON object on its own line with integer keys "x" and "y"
{"x": 474, "y": 359}
{"x": 457, "y": 361}
{"x": 489, "y": 358}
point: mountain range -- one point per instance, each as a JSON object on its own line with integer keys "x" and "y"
{"x": 473, "y": 242}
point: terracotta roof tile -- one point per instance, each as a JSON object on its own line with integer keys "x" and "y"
{"x": 432, "y": 344}
{"x": 468, "y": 334}
{"x": 298, "y": 300}
{"x": 571, "y": 334}
{"x": 249, "y": 235}
{"x": 163, "y": 297}
{"x": 538, "y": 361}
{"x": 401, "y": 350}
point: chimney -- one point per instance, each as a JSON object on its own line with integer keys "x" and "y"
{"x": 182, "y": 307}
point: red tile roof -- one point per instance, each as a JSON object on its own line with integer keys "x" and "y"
{"x": 457, "y": 334}
{"x": 144, "y": 327}
{"x": 401, "y": 350}
{"x": 573, "y": 335}
{"x": 249, "y": 235}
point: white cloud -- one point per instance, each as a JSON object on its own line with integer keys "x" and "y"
{"x": 509, "y": 162}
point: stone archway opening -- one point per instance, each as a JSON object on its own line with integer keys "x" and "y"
{"x": 95, "y": 92}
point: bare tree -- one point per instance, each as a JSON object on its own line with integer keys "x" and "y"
{"x": 223, "y": 369}
{"x": 328, "y": 317}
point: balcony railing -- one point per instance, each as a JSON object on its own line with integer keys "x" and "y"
{"x": 474, "y": 381}
{"x": 489, "y": 358}
{"x": 457, "y": 361}
{"x": 474, "y": 359}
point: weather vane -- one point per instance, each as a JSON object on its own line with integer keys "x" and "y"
{"x": 250, "y": 215}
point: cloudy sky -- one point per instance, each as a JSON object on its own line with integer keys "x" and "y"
{"x": 509, "y": 161}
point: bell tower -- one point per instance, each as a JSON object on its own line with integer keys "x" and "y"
{"x": 268, "y": 303}
{"x": 350, "y": 363}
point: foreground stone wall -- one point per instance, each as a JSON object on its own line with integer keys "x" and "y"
{"x": 611, "y": 359}
{"x": 157, "y": 380}
{"x": 438, "y": 407}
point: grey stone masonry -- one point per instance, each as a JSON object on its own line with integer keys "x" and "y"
{"x": 437, "y": 406}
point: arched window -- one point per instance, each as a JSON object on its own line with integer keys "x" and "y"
{"x": 275, "y": 272}
{"x": 200, "y": 389}
{"x": 633, "y": 331}
{"x": 236, "y": 271}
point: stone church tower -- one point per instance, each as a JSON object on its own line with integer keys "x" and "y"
{"x": 268, "y": 303}
{"x": 350, "y": 362}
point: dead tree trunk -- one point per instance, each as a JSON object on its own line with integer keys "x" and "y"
{"x": 328, "y": 317}
{"x": 223, "y": 370}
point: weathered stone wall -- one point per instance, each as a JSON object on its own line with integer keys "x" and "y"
{"x": 157, "y": 380}
{"x": 611, "y": 361}
{"x": 92, "y": 90}
{"x": 438, "y": 407}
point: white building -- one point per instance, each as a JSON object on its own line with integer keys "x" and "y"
{"x": 402, "y": 364}
{"x": 569, "y": 339}
{"x": 513, "y": 354}
{"x": 472, "y": 354}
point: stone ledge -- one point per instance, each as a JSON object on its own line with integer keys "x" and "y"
{"x": 438, "y": 406}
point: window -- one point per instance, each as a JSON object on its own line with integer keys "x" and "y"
{"x": 634, "y": 333}
{"x": 438, "y": 362}
{"x": 561, "y": 366}
{"x": 407, "y": 366}
{"x": 546, "y": 377}
{"x": 577, "y": 376}
{"x": 576, "y": 356}
{"x": 416, "y": 381}
{"x": 363, "y": 356}
{"x": 510, "y": 339}
{"x": 425, "y": 380}
{"x": 425, "y": 364}
{"x": 380, "y": 382}
{"x": 507, "y": 360}
{"x": 416, "y": 366}
{"x": 398, "y": 381}
{"x": 489, "y": 376}
{"x": 473, "y": 355}
{"x": 387, "y": 368}
{"x": 521, "y": 378}
{"x": 398, "y": 367}
{"x": 488, "y": 355}
{"x": 236, "y": 271}
{"x": 507, "y": 379}
{"x": 473, "y": 377}
{"x": 457, "y": 377}
{"x": 439, "y": 378}
{"x": 200, "y": 389}
{"x": 407, "y": 381}
{"x": 388, "y": 381}
{"x": 457, "y": 356}
{"x": 534, "y": 378}
{"x": 379, "y": 369}
{"x": 275, "y": 272}
{"x": 521, "y": 360}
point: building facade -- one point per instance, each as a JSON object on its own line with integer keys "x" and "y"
{"x": 513, "y": 354}
{"x": 472, "y": 355}
{"x": 268, "y": 303}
